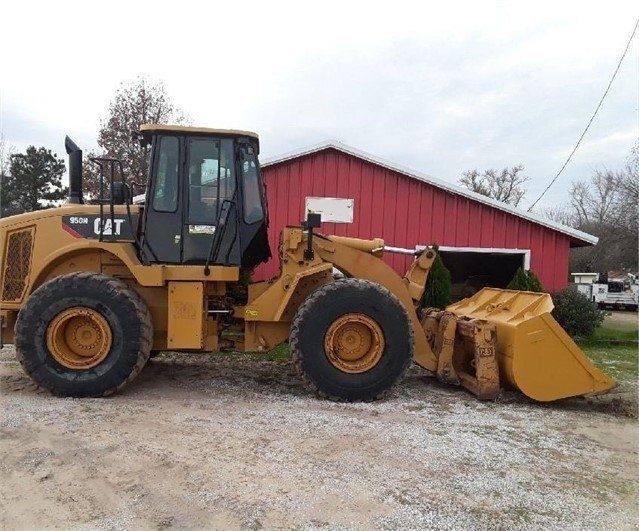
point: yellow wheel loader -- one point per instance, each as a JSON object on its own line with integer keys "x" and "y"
{"x": 89, "y": 291}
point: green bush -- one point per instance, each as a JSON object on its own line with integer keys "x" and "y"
{"x": 534, "y": 284}
{"x": 576, "y": 313}
{"x": 438, "y": 285}
{"x": 525, "y": 281}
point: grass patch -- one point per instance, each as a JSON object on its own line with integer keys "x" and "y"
{"x": 612, "y": 333}
{"x": 280, "y": 353}
{"x": 619, "y": 361}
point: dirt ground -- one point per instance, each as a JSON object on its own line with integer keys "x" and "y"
{"x": 622, "y": 320}
{"x": 222, "y": 443}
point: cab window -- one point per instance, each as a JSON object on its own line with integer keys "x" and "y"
{"x": 253, "y": 210}
{"x": 211, "y": 178}
{"x": 166, "y": 184}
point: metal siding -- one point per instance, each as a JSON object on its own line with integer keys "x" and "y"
{"x": 562, "y": 265}
{"x": 331, "y": 175}
{"x": 417, "y": 223}
{"x": 450, "y": 217}
{"x": 390, "y": 213}
{"x": 401, "y": 213}
{"x": 292, "y": 187}
{"x": 511, "y": 234}
{"x": 405, "y": 212}
{"x": 326, "y": 174}
{"x": 462, "y": 223}
{"x": 499, "y": 230}
{"x": 366, "y": 205}
{"x": 537, "y": 257}
{"x": 486, "y": 220}
{"x": 436, "y": 205}
{"x": 474, "y": 224}
{"x": 523, "y": 235}
{"x": 318, "y": 176}
{"x": 354, "y": 187}
{"x": 379, "y": 203}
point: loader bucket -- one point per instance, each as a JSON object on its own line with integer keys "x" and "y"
{"x": 535, "y": 355}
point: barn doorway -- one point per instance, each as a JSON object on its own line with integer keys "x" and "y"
{"x": 474, "y": 268}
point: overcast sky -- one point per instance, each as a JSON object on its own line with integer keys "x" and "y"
{"x": 438, "y": 88}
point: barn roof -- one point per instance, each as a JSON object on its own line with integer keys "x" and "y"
{"x": 576, "y": 236}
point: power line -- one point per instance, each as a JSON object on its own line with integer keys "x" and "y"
{"x": 591, "y": 118}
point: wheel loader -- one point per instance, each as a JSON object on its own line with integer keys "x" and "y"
{"x": 89, "y": 291}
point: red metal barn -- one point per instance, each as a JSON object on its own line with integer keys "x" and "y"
{"x": 482, "y": 241}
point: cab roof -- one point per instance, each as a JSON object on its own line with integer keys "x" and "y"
{"x": 183, "y": 129}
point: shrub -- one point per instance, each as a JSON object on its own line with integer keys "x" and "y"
{"x": 438, "y": 285}
{"x": 576, "y": 313}
{"x": 525, "y": 281}
{"x": 534, "y": 284}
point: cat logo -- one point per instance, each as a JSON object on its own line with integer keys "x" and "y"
{"x": 108, "y": 228}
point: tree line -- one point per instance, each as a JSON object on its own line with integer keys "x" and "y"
{"x": 606, "y": 206}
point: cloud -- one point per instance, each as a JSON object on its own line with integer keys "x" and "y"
{"x": 441, "y": 88}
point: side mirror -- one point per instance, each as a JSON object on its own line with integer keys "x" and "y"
{"x": 313, "y": 221}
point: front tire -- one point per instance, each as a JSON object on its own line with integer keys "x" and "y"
{"x": 352, "y": 339}
{"x": 83, "y": 334}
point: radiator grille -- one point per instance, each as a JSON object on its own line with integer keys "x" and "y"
{"x": 17, "y": 260}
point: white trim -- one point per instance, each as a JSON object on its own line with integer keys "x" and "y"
{"x": 495, "y": 250}
{"x": 577, "y": 234}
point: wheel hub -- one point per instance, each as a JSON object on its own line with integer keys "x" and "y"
{"x": 79, "y": 338}
{"x": 354, "y": 343}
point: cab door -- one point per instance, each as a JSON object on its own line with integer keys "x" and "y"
{"x": 210, "y": 190}
{"x": 162, "y": 230}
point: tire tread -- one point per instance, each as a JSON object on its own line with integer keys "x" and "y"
{"x": 305, "y": 312}
{"x": 120, "y": 292}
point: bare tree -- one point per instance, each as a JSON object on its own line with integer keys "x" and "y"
{"x": 560, "y": 214}
{"x": 136, "y": 103}
{"x": 607, "y": 207}
{"x": 629, "y": 182}
{"x": 597, "y": 201}
{"x": 505, "y": 185}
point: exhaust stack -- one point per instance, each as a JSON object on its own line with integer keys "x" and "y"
{"x": 75, "y": 171}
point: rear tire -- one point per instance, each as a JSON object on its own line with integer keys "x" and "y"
{"x": 83, "y": 334}
{"x": 352, "y": 339}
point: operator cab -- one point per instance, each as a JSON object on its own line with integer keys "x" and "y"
{"x": 205, "y": 200}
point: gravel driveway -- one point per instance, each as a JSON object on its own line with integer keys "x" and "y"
{"x": 231, "y": 442}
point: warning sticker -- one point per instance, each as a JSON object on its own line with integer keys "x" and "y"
{"x": 201, "y": 229}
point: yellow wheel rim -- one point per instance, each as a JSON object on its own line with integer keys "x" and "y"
{"x": 354, "y": 343}
{"x": 79, "y": 338}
